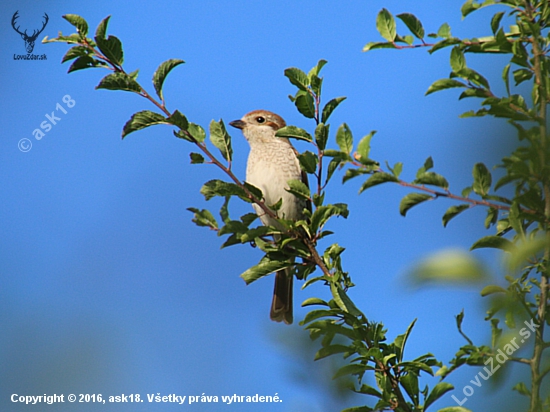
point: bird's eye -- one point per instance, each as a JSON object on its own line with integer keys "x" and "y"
{"x": 260, "y": 119}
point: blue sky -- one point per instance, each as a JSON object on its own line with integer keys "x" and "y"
{"x": 106, "y": 286}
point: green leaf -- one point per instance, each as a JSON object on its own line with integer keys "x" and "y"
{"x": 351, "y": 369}
{"x": 314, "y": 301}
{"x": 308, "y": 162}
{"x": 378, "y": 45}
{"x": 413, "y": 24}
{"x": 197, "y": 132}
{"x": 412, "y": 199}
{"x": 431, "y": 178}
{"x": 298, "y": 188}
{"x": 101, "y": 30}
{"x": 449, "y": 266}
{"x": 376, "y": 179}
{"x": 217, "y": 187}
{"x": 344, "y": 138}
{"x": 458, "y": 62}
{"x": 401, "y": 340}
{"x": 522, "y": 389}
{"x": 343, "y": 301}
{"x": 264, "y": 268}
{"x": 221, "y": 139}
{"x": 525, "y": 252}
{"x": 454, "y": 409}
{"x": 496, "y": 242}
{"x": 111, "y": 48}
{"x": 85, "y": 62}
{"x": 119, "y": 81}
{"x": 74, "y": 52}
{"x": 298, "y": 78}
{"x": 179, "y": 120}
{"x": 161, "y": 73}
{"x": 323, "y": 213}
{"x": 452, "y": 212}
{"x": 329, "y": 108}
{"x": 363, "y": 148}
{"x": 203, "y": 218}
{"x": 443, "y": 84}
{"x": 444, "y": 31}
{"x": 321, "y": 135}
{"x": 196, "y": 158}
{"x": 141, "y": 120}
{"x": 315, "y": 70}
{"x": 385, "y": 24}
{"x": 293, "y": 132}
{"x": 78, "y": 22}
{"x": 437, "y": 392}
{"x": 490, "y": 289}
{"x": 473, "y": 76}
{"x": 331, "y": 350}
{"x": 495, "y": 21}
{"x": 305, "y": 105}
{"x": 482, "y": 179}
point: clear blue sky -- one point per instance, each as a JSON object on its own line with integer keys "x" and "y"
{"x": 106, "y": 286}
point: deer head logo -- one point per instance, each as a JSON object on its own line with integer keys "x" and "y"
{"x": 29, "y": 40}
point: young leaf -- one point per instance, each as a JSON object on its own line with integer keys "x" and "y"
{"x": 385, "y": 24}
{"x": 329, "y": 108}
{"x": 344, "y": 138}
{"x": 161, "y": 73}
{"x": 141, "y": 120}
{"x": 412, "y": 199}
{"x": 293, "y": 132}
{"x": 444, "y": 31}
{"x": 413, "y": 24}
{"x": 118, "y": 81}
{"x": 221, "y": 139}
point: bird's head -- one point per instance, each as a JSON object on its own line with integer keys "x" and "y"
{"x": 259, "y": 125}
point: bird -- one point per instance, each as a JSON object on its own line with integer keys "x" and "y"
{"x": 272, "y": 162}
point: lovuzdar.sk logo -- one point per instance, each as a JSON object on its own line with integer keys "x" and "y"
{"x": 28, "y": 39}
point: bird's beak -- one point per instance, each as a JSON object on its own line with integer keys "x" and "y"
{"x": 239, "y": 124}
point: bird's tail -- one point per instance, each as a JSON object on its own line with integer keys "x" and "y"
{"x": 281, "y": 307}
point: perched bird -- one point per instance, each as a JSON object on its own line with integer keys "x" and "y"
{"x": 272, "y": 162}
